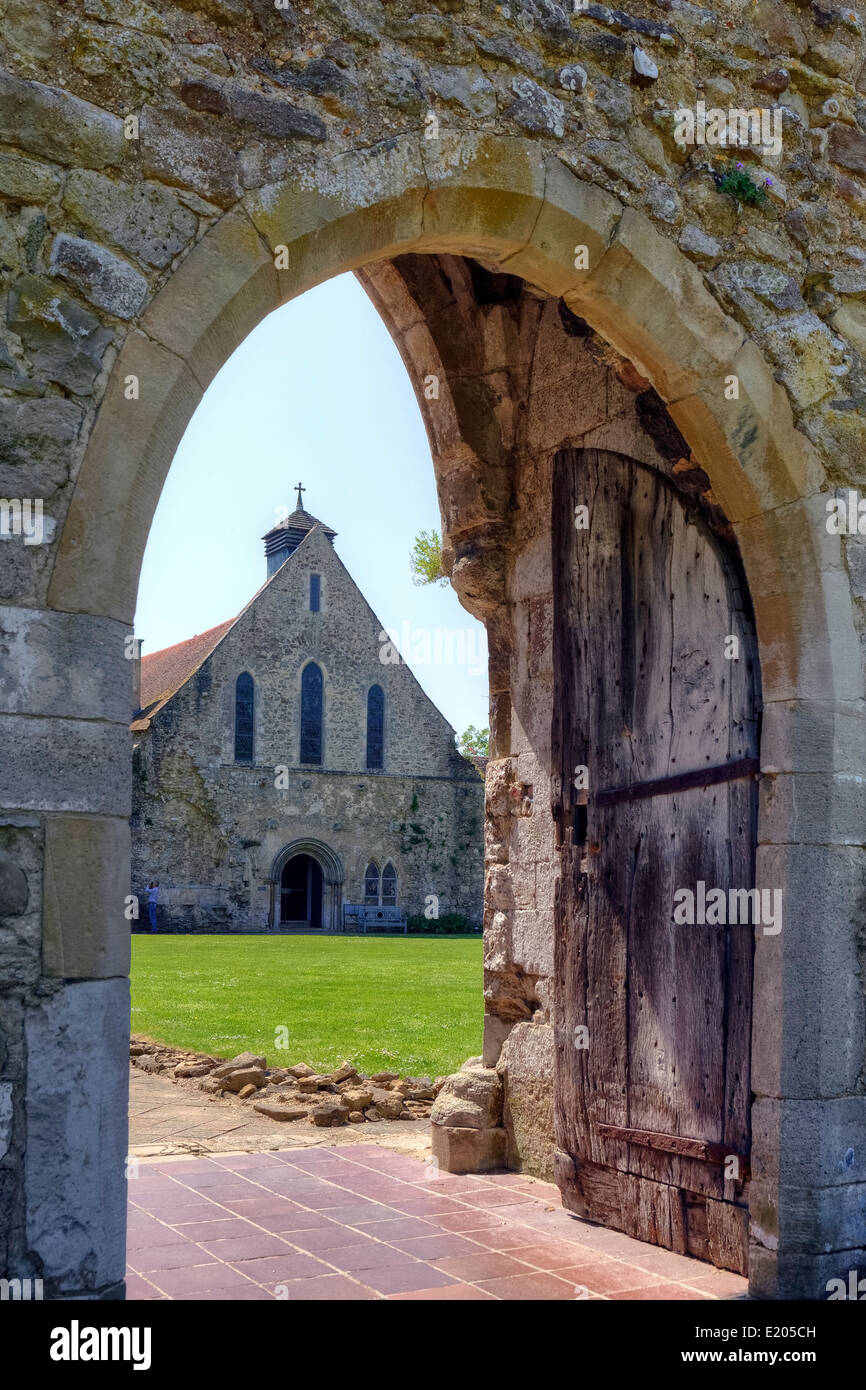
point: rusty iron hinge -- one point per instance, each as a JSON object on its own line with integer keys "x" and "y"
{"x": 704, "y": 1149}
{"x": 681, "y": 781}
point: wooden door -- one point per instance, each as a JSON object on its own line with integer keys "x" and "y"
{"x": 652, "y": 1019}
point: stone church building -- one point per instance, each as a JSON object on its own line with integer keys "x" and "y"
{"x": 287, "y": 762}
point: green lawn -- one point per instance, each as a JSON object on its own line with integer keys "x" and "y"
{"x": 407, "y": 1004}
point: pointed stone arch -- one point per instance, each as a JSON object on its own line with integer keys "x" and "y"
{"x": 503, "y": 200}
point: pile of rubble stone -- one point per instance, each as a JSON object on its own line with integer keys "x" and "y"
{"x": 340, "y": 1097}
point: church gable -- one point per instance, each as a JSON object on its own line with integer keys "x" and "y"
{"x": 310, "y": 612}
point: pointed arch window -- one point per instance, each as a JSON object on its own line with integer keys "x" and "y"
{"x": 375, "y": 726}
{"x": 245, "y": 701}
{"x": 312, "y": 701}
{"x": 389, "y": 885}
{"x": 371, "y": 885}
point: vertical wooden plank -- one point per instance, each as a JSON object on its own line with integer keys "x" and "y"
{"x": 655, "y": 1212}
{"x": 571, "y": 1080}
{"x": 728, "y": 1236}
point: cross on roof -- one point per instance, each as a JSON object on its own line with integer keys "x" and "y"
{"x": 300, "y": 503}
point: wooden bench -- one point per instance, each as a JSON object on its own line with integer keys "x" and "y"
{"x": 361, "y": 916}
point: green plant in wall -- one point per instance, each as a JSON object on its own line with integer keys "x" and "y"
{"x": 736, "y": 181}
{"x": 425, "y": 559}
{"x": 412, "y": 836}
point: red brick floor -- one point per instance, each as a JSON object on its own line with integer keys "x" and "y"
{"x": 363, "y": 1222}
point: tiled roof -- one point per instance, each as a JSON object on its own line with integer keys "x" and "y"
{"x": 162, "y": 673}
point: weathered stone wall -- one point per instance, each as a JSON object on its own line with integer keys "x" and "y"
{"x": 139, "y": 253}
{"x": 209, "y": 829}
{"x": 229, "y": 96}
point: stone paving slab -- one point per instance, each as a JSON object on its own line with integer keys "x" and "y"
{"x": 361, "y": 1221}
{"x": 176, "y": 1117}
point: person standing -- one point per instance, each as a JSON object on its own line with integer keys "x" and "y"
{"x": 152, "y": 900}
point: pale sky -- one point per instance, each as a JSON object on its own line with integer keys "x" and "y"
{"x": 316, "y": 394}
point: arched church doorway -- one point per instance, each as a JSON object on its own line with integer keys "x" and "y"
{"x": 301, "y": 893}
{"x": 306, "y": 882}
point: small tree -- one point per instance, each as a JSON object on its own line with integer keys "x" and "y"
{"x": 474, "y": 743}
{"x": 426, "y": 559}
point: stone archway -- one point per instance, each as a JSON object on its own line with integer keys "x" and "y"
{"x": 505, "y": 201}
{"x": 499, "y": 198}
{"x": 332, "y": 881}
